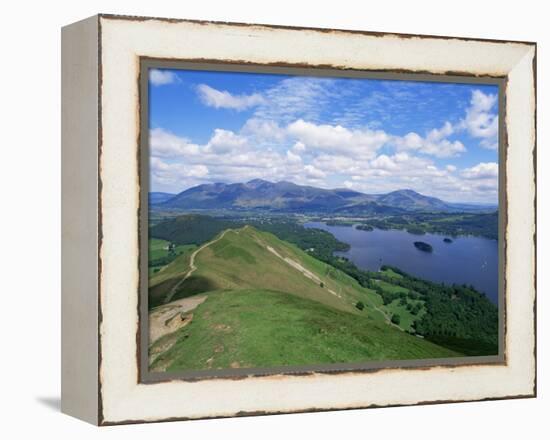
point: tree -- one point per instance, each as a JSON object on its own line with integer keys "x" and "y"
{"x": 396, "y": 319}
{"x": 360, "y": 305}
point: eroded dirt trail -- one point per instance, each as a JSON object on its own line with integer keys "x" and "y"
{"x": 294, "y": 264}
{"x": 166, "y": 320}
{"x": 170, "y": 317}
{"x": 192, "y": 267}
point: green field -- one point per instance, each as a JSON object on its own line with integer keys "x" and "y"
{"x": 165, "y": 277}
{"x": 161, "y": 255}
{"x": 392, "y": 288}
{"x": 262, "y": 328}
{"x": 399, "y": 306}
{"x": 391, "y": 274}
{"x": 269, "y": 303}
{"x": 406, "y": 317}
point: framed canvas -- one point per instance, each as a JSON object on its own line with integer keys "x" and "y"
{"x": 264, "y": 219}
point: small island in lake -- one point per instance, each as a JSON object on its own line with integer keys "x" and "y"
{"x": 364, "y": 228}
{"x": 424, "y": 247}
{"x": 447, "y": 240}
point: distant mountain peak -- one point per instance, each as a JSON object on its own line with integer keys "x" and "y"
{"x": 283, "y": 196}
{"x": 256, "y": 181}
{"x": 406, "y": 191}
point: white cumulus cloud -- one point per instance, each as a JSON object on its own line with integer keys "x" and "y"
{"x": 384, "y": 162}
{"x": 166, "y": 144}
{"x": 363, "y": 143}
{"x": 263, "y": 130}
{"x": 313, "y": 173}
{"x": 225, "y": 141}
{"x": 434, "y": 143}
{"x": 176, "y": 174}
{"x": 292, "y": 157}
{"x": 483, "y": 170}
{"x": 223, "y": 99}
{"x": 332, "y": 163}
{"x": 297, "y": 132}
{"x": 481, "y": 120}
{"x": 159, "y": 77}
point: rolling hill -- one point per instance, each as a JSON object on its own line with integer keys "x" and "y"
{"x": 410, "y": 200}
{"x": 248, "y": 258}
{"x": 190, "y": 228}
{"x": 269, "y": 303}
{"x": 289, "y": 197}
{"x": 159, "y": 197}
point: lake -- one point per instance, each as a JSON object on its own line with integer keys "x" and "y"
{"x": 467, "y": 260}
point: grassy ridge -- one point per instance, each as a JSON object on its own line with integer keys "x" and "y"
{"x": 161, "y": 282}
{"x": 262, "y": 328}
{"x": 242, "y": 260}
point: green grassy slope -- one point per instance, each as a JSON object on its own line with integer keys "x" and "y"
{"x": 159, "y": 248}
{"x": 391, "y": 274}
{"x": 262, "y": 328}
{"x": 162, "y": 281}
{"x": 160, "y": 255}
{"x": 402, "y": 305}
{"x": 271, "y": 304}
{"x": 250, "y": 259}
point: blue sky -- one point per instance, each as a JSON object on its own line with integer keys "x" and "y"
{"x": 373, "y": 136}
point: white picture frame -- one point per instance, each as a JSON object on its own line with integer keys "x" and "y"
{"x": 101, "y": 381}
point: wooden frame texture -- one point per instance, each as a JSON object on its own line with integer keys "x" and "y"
{"x": 102, "y": 198}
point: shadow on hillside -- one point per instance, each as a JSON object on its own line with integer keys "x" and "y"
{"x": 193, "y": 285}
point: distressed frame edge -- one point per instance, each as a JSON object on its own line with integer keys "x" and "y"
{"x": 315, "y": 410}
{"x": 366, "y": 367}
{"x": 124, "y": 17}
{"x": 535, "y": 207}
{"x": 532, "y": 115}
{"x": 80, "y": 121}
{"x": 104, "y": 422}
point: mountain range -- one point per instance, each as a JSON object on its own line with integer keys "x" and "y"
{"x": 284, "y": 196}
{"x": 159, "y": 197}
